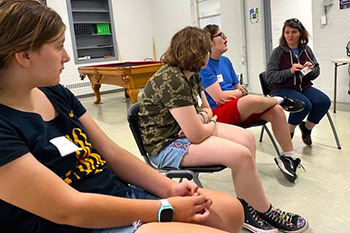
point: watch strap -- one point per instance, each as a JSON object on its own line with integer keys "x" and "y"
{"x": 164, "y": 205}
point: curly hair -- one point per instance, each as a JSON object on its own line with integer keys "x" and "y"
{"x": 26, "y": 25}
{"x": 304, "y": 34}
{"x": 188, "y": 49}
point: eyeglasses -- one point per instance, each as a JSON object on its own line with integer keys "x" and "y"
{"x": 221, "y": 34}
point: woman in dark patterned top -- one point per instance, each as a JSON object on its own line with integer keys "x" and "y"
{"x": 59, "y": 173}
{"x": 178, "y": 129}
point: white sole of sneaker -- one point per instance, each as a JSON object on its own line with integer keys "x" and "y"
{"x": 283, "y": 168}
{"x": 257, "y": 230}
{"x": 300, "y": 230}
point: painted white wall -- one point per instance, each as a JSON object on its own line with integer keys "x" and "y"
{"x": 168, "y": 17}
{"x": 232, "y": 26}
{"x": 134, "y": 31}
{"x": 255, "y": 45}
{"x": 138, "y": 22}
{"x": 281, "y": 10}
{"x": 329, "y": 43}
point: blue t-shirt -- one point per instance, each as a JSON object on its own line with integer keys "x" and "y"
{"x": 219, "y": 70}
{"x": 83, "y": 168}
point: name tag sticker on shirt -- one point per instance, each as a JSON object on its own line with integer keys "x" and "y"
{"x": 305, "y": 70}
{"x": 199, "y": 101}
{"x": 220, "y": 78}
{"x": 64, "y": 146}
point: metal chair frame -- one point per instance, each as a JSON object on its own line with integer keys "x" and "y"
{"x": 266, "y": 91}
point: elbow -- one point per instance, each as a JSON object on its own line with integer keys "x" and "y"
{"x": 64, "y": 218}
{"x": 197, "y": 138}
{"x": 71, "y": 215}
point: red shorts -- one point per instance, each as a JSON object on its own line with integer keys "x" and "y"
{"x": 228, "y": 113}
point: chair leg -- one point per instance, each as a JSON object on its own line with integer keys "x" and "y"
{"x": 272, "y": 140}
{"x": 188, "y": 174}
{"x": 261, "y": 134}
{"x": 334, "y": 130}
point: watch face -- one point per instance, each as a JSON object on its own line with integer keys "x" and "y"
{"x": 166, "y": 215}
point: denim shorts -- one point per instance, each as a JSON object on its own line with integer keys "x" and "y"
{"x": 172, "y": 155}
{"x": 134, "y": 193}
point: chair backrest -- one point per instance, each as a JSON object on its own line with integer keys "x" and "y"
{"x": 263, "y": 82}
{"x": 134, "y": 119}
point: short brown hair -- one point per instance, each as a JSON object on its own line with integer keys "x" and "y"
{"x": 295, "y": 23}
{"x": 212, "y": 29}
{"x": 188, "y": 49}
{"x": 26, "y": 25}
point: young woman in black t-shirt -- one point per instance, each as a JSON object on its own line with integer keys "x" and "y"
{"x": 59, "y": 172}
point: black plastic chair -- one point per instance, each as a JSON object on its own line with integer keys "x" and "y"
{"x": 266, "y": 91}
{"x": 190, "y": 173}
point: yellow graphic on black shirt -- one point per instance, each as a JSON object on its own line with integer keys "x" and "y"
{"x": 87, "y": 161}
{"x": 71, "y": 114}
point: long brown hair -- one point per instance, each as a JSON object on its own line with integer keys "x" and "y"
{"x": 304, "y": 34}
{"x": 26, "y": 25}
{"x": 188, "y": 49}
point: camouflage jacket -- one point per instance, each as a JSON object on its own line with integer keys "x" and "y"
{"x": 168, "y": 88}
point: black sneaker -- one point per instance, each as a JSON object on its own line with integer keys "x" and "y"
{"x": 292, "y": 105}
{"x": 253, "y": 222}
{"x": 288, "y": 166}
{"x": 284, "y": 221}
{"x": 305, "y": 133}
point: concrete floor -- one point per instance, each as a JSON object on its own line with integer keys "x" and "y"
{"x": 321, "y": 194}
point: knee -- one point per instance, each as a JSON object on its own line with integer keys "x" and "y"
{"x": 245, "y": 160}
{"x": 246, "y": 139}
{"x": 277, "y": 112}
{"x": 327, "y": 102}
{"x": 254, "y": 100}
{"x": 235, "y": 216}
{"x": 249, "y": 139}
{"x": 307, "y": 107}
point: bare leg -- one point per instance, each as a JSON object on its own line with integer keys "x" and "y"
{"x": 291, "y": 128}
{"x": 309, "y": 125}
{"x": 244, "y": 138}
{"x": 250, "y": 104}
{"x": 176, "y": 227}
{"x": 280, "y": 129}
{"x": 226, "y": 214}
{"x": 221, "y": 150}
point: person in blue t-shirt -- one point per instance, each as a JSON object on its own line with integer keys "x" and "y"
{"x": 59, "y": 172}
{"x": 231, "y": 103}
{"x": 178, "y": 129}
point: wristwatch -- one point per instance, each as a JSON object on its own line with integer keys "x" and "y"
{"x": 165, "y": 212}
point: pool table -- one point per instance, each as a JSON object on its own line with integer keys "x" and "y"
{"x": 130, "y": 75}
